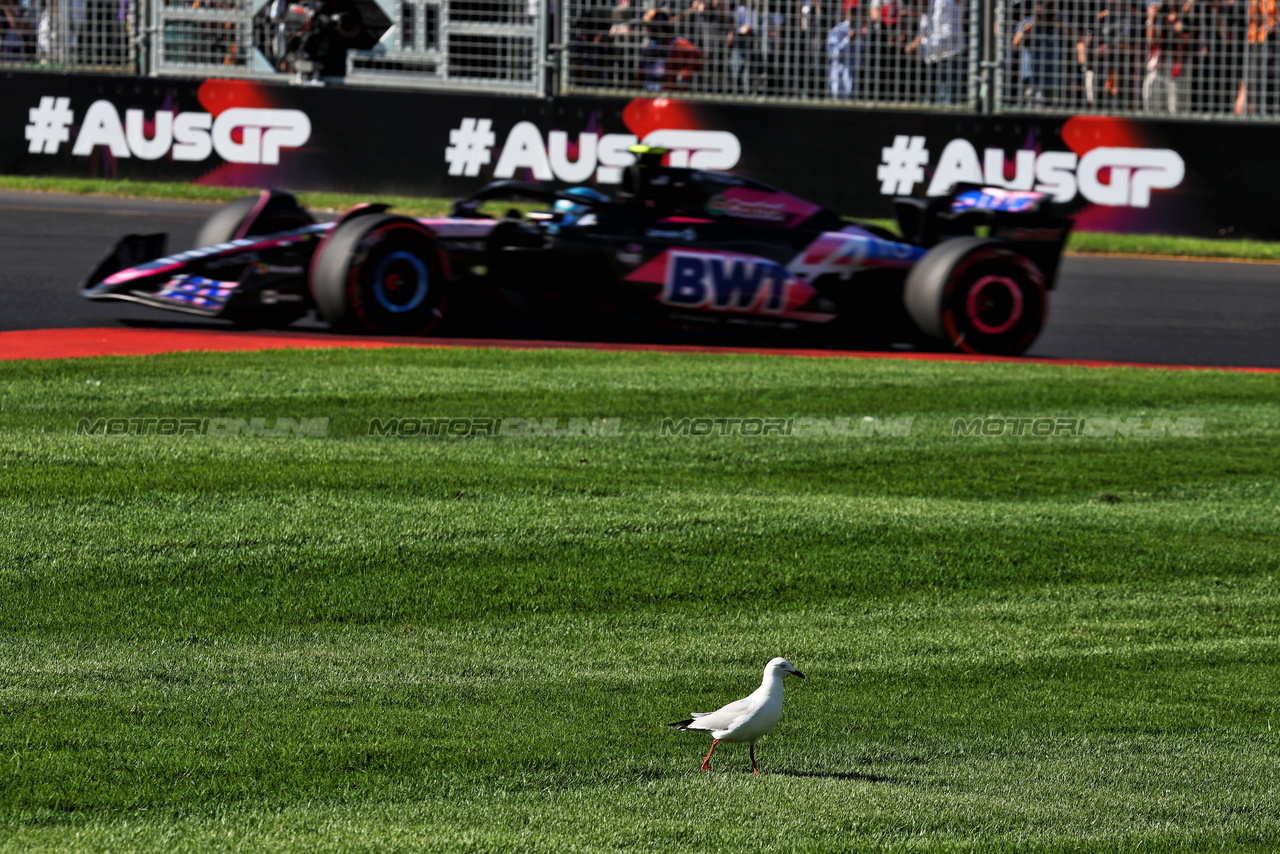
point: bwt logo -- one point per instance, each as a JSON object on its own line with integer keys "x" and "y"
{"x": 598, "y": 156}
{"x": 1111, "y": 176}
{"x": 725, "y": 283}
{"x": 238, "y": 135}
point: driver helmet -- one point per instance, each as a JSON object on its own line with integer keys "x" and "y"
{"x": 570, "y": 211}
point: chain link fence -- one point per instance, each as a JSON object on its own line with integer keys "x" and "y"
{"x": 876, "y": 52}
{"x": 1185, "y": 58}
{"x": 1209, "y": 58}
{"x": 68, "y": 35}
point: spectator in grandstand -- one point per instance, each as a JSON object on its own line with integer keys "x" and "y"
{"x": 846, "y": 44}
{"x": 1160, "y": 85}
{"x": 885, "y": 62}
{"x": 621, "y": 26}
{"x": 1220, "y": 30}
{"x": 1228, "y": 29}
{"x": 1090, "y": 28}
{"x": 625, "y": 43}
{"x": 941, "y": 46}
{"x": 744, "y": 50}
{"x": 709, "y": 24}
{"x": 45, "y": 34}
{"x": 1049, "y": 53}
{"x": 590, "y": 50}
{"x": 667, "y": 62}
{"x": 1114, "y": 56}
{"x": 1259, "y": 81}
{"x": 17, "y": 33}
{"x": 620, "y": 17}
{"x": 708, "y": 21}
{"x": 813, "y": 22}
{"x": 1193, "y": 73}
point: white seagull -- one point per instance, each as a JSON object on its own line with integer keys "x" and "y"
{"x": 746, "y": 719}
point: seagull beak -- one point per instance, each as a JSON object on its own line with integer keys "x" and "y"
{"x": 797, "y": 673}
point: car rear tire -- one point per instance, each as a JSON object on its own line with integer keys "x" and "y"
{"x": 268, "y": 212}
{"x": 979, "y": 295}
{"x": 382, "y": 274}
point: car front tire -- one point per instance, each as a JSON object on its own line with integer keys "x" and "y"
{"x": 380, "y": 274}
{"x": 268, "y": 212}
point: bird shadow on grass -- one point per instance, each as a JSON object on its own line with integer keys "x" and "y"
{"x": 845, "y": 775}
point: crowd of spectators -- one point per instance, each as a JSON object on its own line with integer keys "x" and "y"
{"x": 1167, "y": 56}
{"x": 878, "y": 50}
{"x": 1156, "y": 56}
{"x": 1193, "y": 57}
{"x": 92, "y": 33}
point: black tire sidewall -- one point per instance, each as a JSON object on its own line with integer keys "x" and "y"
{"x": 346, "y": 285}
{"x": 223, "y": 223}
{"x": 281, "y": 213}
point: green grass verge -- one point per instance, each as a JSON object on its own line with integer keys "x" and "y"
{"x": 362, "y": 642}
{"x": 411, "y": 205}
{"x": 1082, "y": 242}
{"x": 1092, "y": 242}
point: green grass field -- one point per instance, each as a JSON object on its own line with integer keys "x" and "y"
{"x": 373, "y": 643}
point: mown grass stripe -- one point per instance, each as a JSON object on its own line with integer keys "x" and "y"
{"x": 363, "y": 642}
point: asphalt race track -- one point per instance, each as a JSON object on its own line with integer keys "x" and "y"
{"x": 1111, "y": 309}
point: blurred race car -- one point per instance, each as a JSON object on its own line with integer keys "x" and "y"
{"x": 679, "y": 254}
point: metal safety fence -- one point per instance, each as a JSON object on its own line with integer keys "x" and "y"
{"x": 193, "y": 37}
{"x": 458, "y": 45}
{"x": 68, "y": 35}
{"x": 483, "y": 45}
{"x": 878, "y": 52}
{"x": 1186, "y": 58}
{"x": 1208, "y": 58}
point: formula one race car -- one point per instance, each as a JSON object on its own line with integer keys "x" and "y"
{"x": 680, "y": 254}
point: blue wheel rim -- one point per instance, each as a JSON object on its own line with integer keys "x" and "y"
{"x": 382, "y": 283}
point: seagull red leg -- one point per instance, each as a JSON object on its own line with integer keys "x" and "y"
{"x": 753, "y": 758}
{"x": 706, "y": 763}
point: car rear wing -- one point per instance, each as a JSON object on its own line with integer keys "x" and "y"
{"x": 1016, "y": 216}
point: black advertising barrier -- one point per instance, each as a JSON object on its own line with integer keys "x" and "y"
{"x": 1113, "y": 174}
